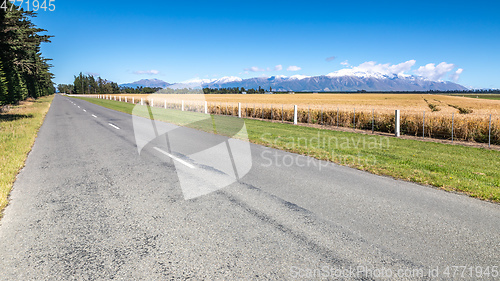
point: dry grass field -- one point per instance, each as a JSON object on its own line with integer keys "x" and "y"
{"x": 362, "y": 102}
{"x": 433, "y": 116}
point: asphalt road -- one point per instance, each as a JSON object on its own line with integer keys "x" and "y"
{"x": 88, "y": 206}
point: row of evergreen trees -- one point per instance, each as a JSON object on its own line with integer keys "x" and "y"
{"x": 235, "y": 90}
{"x": 24, "y": 72}
{"x": 88, "y": 84}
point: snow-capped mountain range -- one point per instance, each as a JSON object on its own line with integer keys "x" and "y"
{"x": 336, "y": 81}
{"x": 153, "y": 83}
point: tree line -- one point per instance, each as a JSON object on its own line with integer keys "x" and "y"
{"x": 475, "y": 91}
{"x": 234, "y": 90}
{"x": 471, "y": 91}
{"x": 24, "y": 72}
{"x": 89, "y": 85}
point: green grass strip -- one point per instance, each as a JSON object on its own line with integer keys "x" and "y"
{"x": 469, "y": 170}
{"x": 18, "y": 131}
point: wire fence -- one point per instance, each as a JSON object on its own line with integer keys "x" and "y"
{"x": 481, "y": 128}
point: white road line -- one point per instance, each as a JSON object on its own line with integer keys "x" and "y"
{"x": 85, "y": 110}
{"x": 94, "y": 116}
{"x": 78, "y": 106}
{"x": 114, "y": 126}
{"x": 175, "y": 158}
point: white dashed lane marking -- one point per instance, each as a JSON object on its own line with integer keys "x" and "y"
{"x": 114, "y": 126}
{"x": 175, "y": 158}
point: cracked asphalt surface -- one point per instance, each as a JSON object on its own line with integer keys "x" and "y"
{"x": 87, "y": 206}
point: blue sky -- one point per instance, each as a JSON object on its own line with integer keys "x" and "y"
{"x": 125, "y": 41}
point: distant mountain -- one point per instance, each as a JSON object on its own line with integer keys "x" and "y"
{"x": 333, "y": 82}
{"x": 153, "y": 83}
{"x": 203, "y": 83}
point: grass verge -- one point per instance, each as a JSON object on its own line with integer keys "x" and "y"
{"x": 18, "y": 130}
{"x": 469, "y": 170}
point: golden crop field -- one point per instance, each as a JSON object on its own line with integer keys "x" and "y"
{"x": 362, "y": 102}
{"x": 435, "y": 116}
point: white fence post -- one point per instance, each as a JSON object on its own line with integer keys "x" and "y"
{"x": 397, "y": 129}
{"x": 489, "y": 133}
{"x": 152, "y": 103}
{"x": 354, "y": 118}
{"x": 142, "y": 102}
{"x": 206, "y": 107}
{"x": 182, "y": 105}
{"x": 452, "y": 126}
{"x": 165, "y": 105}
{"x": 423, "y": 125}
{"x": 133, "y": 100}
{"x": 120, "y": 98}
{"x": 239, "y": 110}
{"x": 373, "y": 120}
{"x": 295, "y": 115}
{"x": 125, "y": 99}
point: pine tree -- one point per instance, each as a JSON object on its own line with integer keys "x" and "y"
{"x": 25, "y": 71}
{"x": 3, "y": 86}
